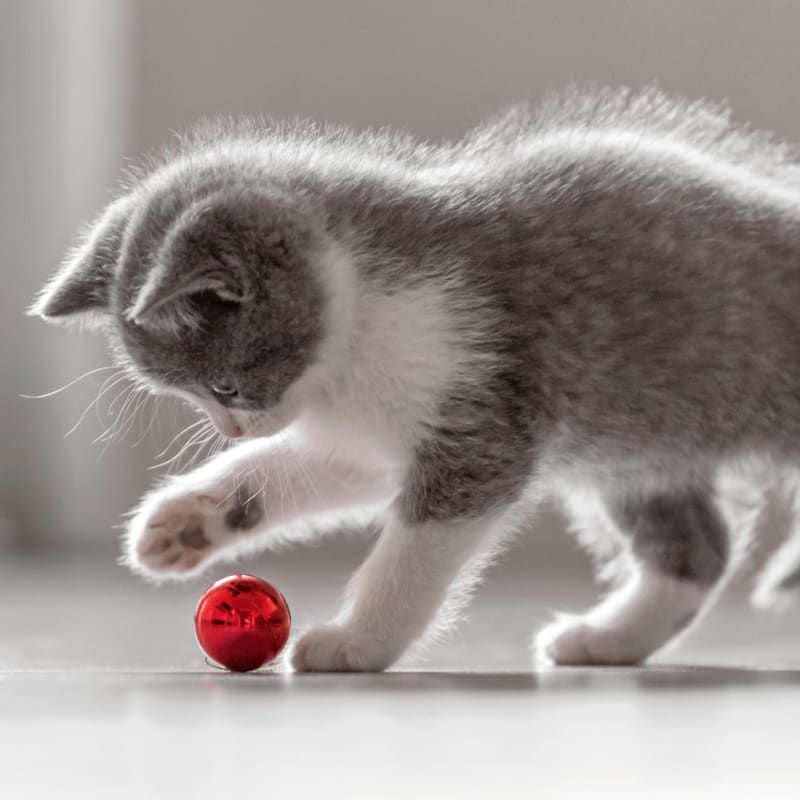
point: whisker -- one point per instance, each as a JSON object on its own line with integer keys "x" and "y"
{"x": 192, "y": 440}
{"x": 136, "y": 395}
{"x": 131, "y": 407}
{"x": 117, "y": 378}
{"x": 179, "y": 434}
{"x": 197, "y": 444}
{"x": 110, "y": 432}
{"x": 118, "y": 430}
{"x": 110, "y": 409}
{"x": 67, "y": 385}
{"x": 289, "y": 483}
{"x": 153, "y": 418}
{"x": 308, "y": 480}
{"x": 280, "y": 489}
{"x": 126, "y": 380}
{"x": 142, "y": 396}
{"x": 218, "y": 445}
{"x": 255, "y": 494}
{"x": 199, "y": 447}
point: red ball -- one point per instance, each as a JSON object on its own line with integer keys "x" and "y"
{"x": 242, "y": 622}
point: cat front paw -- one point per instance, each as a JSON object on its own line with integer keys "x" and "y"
{"x": 335, "y": 648}
{"x": 176, "y": 533}
{"x": 571, "y": 641}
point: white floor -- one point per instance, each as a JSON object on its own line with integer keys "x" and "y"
{"x": 103, "y": 693}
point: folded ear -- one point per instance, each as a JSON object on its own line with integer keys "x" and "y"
{"x": 200, "y": 254}
{"x": 171, "y": 282}
{"x": 81, "y": 287}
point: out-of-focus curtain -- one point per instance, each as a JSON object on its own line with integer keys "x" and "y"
{"x": 66, "y": 82}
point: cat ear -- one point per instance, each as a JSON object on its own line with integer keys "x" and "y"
{"x": 80, "y": 289}
{"x": 200, "y": 254}
{"x": 171, "y": 281}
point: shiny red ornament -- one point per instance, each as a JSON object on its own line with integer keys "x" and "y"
{"x": 242, "y": 622}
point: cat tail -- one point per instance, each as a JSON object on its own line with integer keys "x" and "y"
{"x": 778, "y": 584}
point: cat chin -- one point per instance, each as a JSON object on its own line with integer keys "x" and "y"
{"x": 223, "y": 420}
{"x": 263, "y": 424}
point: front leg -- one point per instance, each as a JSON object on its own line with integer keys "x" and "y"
{"x": 395, "y": 595}
{"x": 237, "y": 499}
{"x": 457, "y": 493}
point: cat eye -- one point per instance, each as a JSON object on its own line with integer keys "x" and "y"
{"x": 225, "y": 387}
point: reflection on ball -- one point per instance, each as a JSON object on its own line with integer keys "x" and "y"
{"x": 242, "y": 622}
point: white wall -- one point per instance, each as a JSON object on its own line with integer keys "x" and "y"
{"x": 87, "y": 82}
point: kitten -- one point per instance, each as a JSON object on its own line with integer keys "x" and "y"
{"x": 596, "y": 301}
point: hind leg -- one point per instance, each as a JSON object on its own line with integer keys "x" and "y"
{"x": 778, "y": 585}
{"x": 678, "y": 550}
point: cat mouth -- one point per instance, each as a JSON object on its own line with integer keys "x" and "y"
{"x": 221, "y": 418}
{"x": 248, "y": 424}
{"x": 225, "y": 424}
{"x": 259, "y": 424}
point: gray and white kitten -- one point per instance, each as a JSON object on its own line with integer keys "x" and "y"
{"x": 596, "y": 301}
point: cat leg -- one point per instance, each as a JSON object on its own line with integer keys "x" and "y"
{"x": 778, "y": 584}
{"x": 678, "y": 555}
{"x": 238, "y": 500}
{"x": 395, "y": 595}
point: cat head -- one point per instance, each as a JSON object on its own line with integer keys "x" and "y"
{"x": 213, "y": 289}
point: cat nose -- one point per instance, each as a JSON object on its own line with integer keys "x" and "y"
{"x": 225, "y": 423}
{"x": 227, "y": 427}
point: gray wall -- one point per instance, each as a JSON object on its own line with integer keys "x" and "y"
{"x": 86, "y": 83}
{"x": 438, "y": 66}
{"x": 65, "y": 97}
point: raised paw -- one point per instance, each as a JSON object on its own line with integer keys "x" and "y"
{"x": 177, "y": 532}
{"x": 334, "y": 648}
{"x": 571, "y": 641}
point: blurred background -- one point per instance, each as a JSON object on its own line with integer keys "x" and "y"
{"x": 101, "y": 681}
{"x": 89, "y": 84}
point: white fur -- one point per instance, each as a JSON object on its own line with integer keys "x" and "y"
{"x": 770, "y": 593}
{"x": 385, "y": 363}
{"x": 629, "y": 625}
{"x": 359, "y": 413}
{"x": 645, "y": 610}
{"x": 394, "y": 596}
{"x": 629, "y": 147}
{"x": 383, "y": 366}
{"x": 292, "y": 482}
{"x": 387, "y": 360}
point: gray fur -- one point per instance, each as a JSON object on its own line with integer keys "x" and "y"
{"x": 90, "y": 267}
{"x": 637, "y": 307}
{"x": 260, "y": 251}
{"x": 791, "y": 582}
{"x": 679, "y": 533}
{"x": 247, "y": 512}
